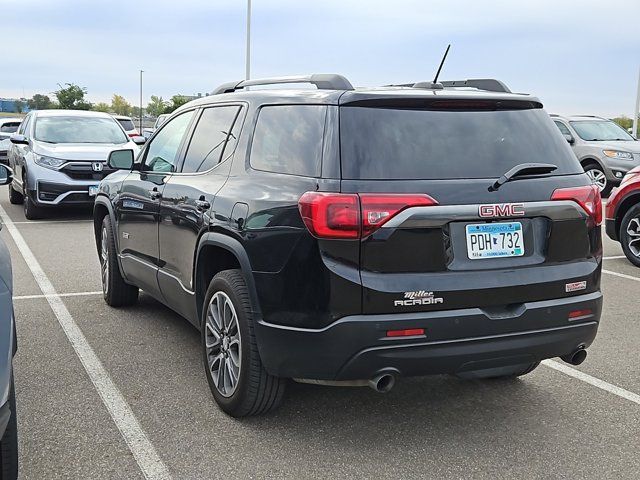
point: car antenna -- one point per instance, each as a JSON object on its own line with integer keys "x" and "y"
{"x": 434, "y": 85}
{"x": 446, "y": 52}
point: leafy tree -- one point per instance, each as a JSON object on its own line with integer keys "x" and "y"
{"x": 72, "y": 97}
{"x": 120, "y": 105}
{"x": 102, "y": 107}
{"x": 19, "y": 106}
{"x": 135, "y": 111}
{"x": 40, "y": 102}
{"x": 156, "y": 106}
{"x": 176, "y": 102}
{"x": 624, "y": 121}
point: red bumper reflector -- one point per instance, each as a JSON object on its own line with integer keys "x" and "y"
{"x": 580, "y": 313}
{"x": 409, "y": 332}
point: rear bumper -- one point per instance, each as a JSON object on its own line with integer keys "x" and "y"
{"x": 356, "y": 347}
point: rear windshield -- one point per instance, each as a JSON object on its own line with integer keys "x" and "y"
{"x": 59, "y": 129}
{"x": 126, "y": 124}
{"x": 9, "y": 127}
{"x": 388, "y": 143}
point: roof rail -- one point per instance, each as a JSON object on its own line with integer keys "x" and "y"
{"x": 489, "y": 84}
{"x": 322, "y": 81}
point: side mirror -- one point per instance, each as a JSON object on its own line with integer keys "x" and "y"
{"x": 139, "y": 140}
{"x": 6, "y": 175}
{"x": 121, "y": 159}
{"x": 18, "y": 139}
{"x": 569, "y": 138}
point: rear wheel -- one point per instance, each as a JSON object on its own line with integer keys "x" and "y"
{"x": 116, "y": 292}
{"x": 630, "y": 235}
{"x": 15, "y": 197}
{"x": 31, "y": 210}
{"x": 598, "y": 177}
{"x": 9, "y": 443}
{"x": 510, "y": 371}
{"x": 238, "y": 381}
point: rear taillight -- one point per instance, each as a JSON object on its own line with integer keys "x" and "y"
{"x": 588, "y": 197}
{"x": 134, "y": 134}
{"x": 349, "y": 215}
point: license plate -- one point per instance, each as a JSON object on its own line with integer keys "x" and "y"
{"x": 494, "y": 240}
{"x": 93, "y": 190}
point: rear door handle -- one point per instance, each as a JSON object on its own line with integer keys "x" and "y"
{"x": 154, "y": 194}
{"x": 203, "y": 205}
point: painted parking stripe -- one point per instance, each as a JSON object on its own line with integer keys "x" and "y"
{"x": 73, "y": 294}
{"x": 41, "y": 222}
{"x": 143, "y": 451}
{"x": 621, "y": 275}
{"x": 593, "y": 381}
{"x": 614, "y": 257}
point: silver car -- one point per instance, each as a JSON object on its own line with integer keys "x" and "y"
{"x": 59, "y": 157}
{"x": 605, "y": 150}
{"x": 8, "y": 126}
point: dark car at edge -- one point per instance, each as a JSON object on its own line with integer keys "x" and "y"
{"x": 347, "y": 236}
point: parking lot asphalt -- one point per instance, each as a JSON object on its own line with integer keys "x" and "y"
{"x": 545, "y": 425}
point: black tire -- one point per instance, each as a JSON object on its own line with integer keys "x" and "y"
{"x": 15, "y": 198}
{"x": 116, "y": 292}
{"x": 256, "y": 392}
{"x": 9, "y": 443}
{"x": 511, "y": 371}
{"x": 606, "y": 190}
{"x": 631, "y": 222}
{"x": 31, "y": 210}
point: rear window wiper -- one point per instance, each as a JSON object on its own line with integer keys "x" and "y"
{"x": 522, "y": 170}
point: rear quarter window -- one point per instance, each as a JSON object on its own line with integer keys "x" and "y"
{"x": 404, "y": 143}
{"x": 288, "y": 139}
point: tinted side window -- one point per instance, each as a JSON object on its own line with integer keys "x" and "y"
{"x": 162, "y": 153}
{"x": 563, "y": 128}
{"x": 288, "y": 139}
{"x": 24, "y": 126}
{"x": 210, "y": 139}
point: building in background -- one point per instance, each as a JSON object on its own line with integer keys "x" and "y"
{"x": 14, "y": 105}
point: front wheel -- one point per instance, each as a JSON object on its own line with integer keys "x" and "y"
{"x": 630, "y": 235}
{"x": 31, "y": 210}
{"x": 599, "y": 178}
{"x": 9, "y": 442}
{"x": 116, "y": 292}
{"x": 238, "y": 381}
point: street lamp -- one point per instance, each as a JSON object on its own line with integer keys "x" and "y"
{"x": 248, "y": 65}
{"x": 141, "y": 72}
{"x": 636, "y": 112}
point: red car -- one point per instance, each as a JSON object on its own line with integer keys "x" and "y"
{"x": 623, "y": 215}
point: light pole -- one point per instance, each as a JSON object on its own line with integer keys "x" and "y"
{"x": 141, "y": 72}
{"x": 248, "y": 65}
{"x": 636, "y": 112}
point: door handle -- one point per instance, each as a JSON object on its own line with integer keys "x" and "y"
{"x": 154, "y": 194}
{"x": 203, "y": 205}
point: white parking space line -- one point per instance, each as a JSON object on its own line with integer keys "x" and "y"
{"x": 621, "y": 275}
{"x": 73, "y": 294}
{"x": 143, "y": 451}
{"x": 596, "y": 382}
{"x": 42, "y": 222}
{"x": 614, "y": 257}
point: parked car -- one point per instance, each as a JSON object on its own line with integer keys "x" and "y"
{"x": 603, "y": 148}
{"x": 147, "y": 132}
{"x": 347, "y": 237}
{"x": 128, "y": 126}
{"x": 8, "y": 347}
{"x": 8, "y": 126}
{"x": 59, "y": 157}
{"x": 623, "y": 215}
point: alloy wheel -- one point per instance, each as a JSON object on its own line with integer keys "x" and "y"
{"x": 633, "y": 234}
{"x": 104, "y": 260}
{"x": 223, "y": 344}
{"x": 598, "y": 178}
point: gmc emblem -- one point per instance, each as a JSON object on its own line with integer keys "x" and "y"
{"x": 501, "y": 210}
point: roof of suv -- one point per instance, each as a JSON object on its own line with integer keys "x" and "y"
{"x": 333, "y": 96}
{"x": 580, "y": 118}
{"x": 71, "y": 113}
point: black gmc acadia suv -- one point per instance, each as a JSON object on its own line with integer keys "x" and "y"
{"x": 347, "y": 236}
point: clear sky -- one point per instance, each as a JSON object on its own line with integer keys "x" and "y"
{"x": 578, "y": 56}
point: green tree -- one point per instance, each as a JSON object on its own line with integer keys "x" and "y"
{"x": 156, "y": 106}
{"x": 72, "y": 97}
{"x": 624, "y": 121}
{"x": 120, "y": 105}
{"x": 102, "y": 107}
{"x": 19, "y": 106}
{"x": 40, "y": 102}
{"x": 176, "y": 102}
